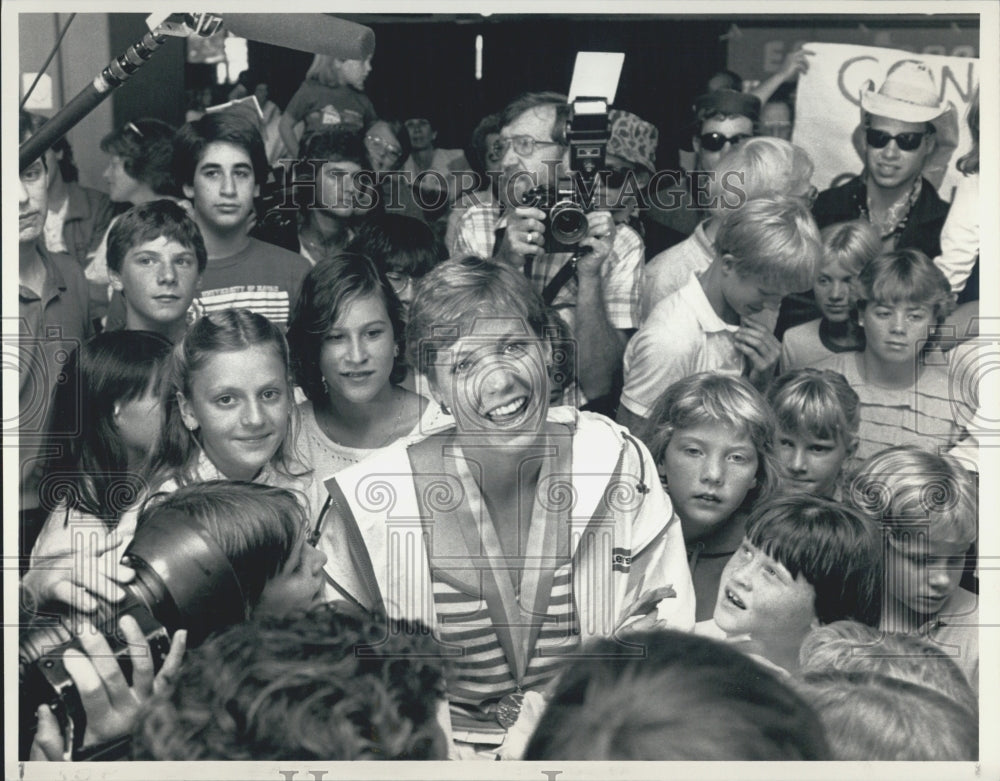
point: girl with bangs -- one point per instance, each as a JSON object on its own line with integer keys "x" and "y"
{"x": 713, "y": 438}
{"x": 518, "y": 532}
{"x": 803, "y": 562}
{"x": 225, "y": 412}
{"x": 906, "y": 391}
{"x": 346, "y": 339}
{"x": 103, "y": 426}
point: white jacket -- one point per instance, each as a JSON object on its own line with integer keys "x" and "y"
{"x": 625, "y": 539}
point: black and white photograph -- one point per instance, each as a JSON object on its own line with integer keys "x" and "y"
{"x": 597, "y": 389}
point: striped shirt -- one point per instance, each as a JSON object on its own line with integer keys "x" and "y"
{"x": 262, "y": 278}
{"x": 481, "y": 673}
{"x": 928, "y": 415}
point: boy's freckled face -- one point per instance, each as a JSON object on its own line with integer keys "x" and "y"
{"x": 159, "y": 279}
{"x": 922, "y": 574}
{"x": 758, "y": 596}
{"x": 709, "y": 470}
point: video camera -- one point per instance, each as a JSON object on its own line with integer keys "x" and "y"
{"x": 183, "y": 580}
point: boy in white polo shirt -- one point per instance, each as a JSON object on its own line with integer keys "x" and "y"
{"x": 763, "y": 252}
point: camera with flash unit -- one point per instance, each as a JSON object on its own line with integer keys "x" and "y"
{"x": 567, "y": 203}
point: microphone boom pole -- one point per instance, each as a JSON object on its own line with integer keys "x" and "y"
{"x": 319, "y": 33}
{"x": 117, "y": 72}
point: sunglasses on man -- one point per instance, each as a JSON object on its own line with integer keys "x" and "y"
{"x": 907, "y": 142}
{"x": 713, "y": 142}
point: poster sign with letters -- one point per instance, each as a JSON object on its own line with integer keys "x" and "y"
{"x": 828, "y": 110}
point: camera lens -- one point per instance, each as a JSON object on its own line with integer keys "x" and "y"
{"x": 568, "y": 223}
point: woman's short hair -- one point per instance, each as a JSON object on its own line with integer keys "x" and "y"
{"x": 817, "y": 402}
{"x": 327, "y": 289}
{"x": 850, "y": 646}
{"x": 834, "y": 549}
{"x": 905, "y": 276}
{"x": 666, "y": 695}
{"x": 718, "y": 399}
{"x": 230, "y": 330}
{"x": 904, "y": 485}
{"x": 455, "y": 294}
{"x": 773, "y": 238}
{"x": 256, "y": 526}
{"x": 852, "y": 244}
{"x": 146, "y": 149}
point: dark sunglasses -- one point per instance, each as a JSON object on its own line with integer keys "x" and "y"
{"x": 713, "y": 142}
{"x": 907, "y": 142}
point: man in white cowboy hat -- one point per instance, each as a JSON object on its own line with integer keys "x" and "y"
{"x": 906, "y": 135}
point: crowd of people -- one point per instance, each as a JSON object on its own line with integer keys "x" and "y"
{"x": 700, "y": 484}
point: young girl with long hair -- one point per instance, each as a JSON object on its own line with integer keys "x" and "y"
{"x": 105, "y": 418}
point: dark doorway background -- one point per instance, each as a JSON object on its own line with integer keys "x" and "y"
{"x": 424, "y": 63}
{"x": 427, "y": 68}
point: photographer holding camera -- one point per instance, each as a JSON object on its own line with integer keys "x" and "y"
{"x": 595, "y": 287}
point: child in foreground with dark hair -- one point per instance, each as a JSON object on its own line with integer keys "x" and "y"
{"x": 156, "y": 257}
{"x": 252, "y": 559}
{"x": 331, "y": 685}
{"x": 804, "y": 562}
{"x": 924, "y": 507}
{"x": 818, "y": 416}
{"x": 669, "y": 696}
{"x": 871, "y": 717}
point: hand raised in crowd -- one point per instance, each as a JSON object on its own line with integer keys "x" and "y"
{"x": 795, "y": 63}
{"x": 84, "y": 577}
{"x": 758, "y": 343}
{"x": 111, "y": 705}
{"x": 642, "y": 616}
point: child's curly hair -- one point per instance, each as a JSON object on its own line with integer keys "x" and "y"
{"x": 331, "y": 685}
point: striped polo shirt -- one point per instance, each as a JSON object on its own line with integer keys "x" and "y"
{"x": 480, "y": 672}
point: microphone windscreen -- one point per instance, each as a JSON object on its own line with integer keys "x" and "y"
{"x": 316, "y": 33}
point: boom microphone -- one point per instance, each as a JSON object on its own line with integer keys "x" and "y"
{"x": 316, "y": 33}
